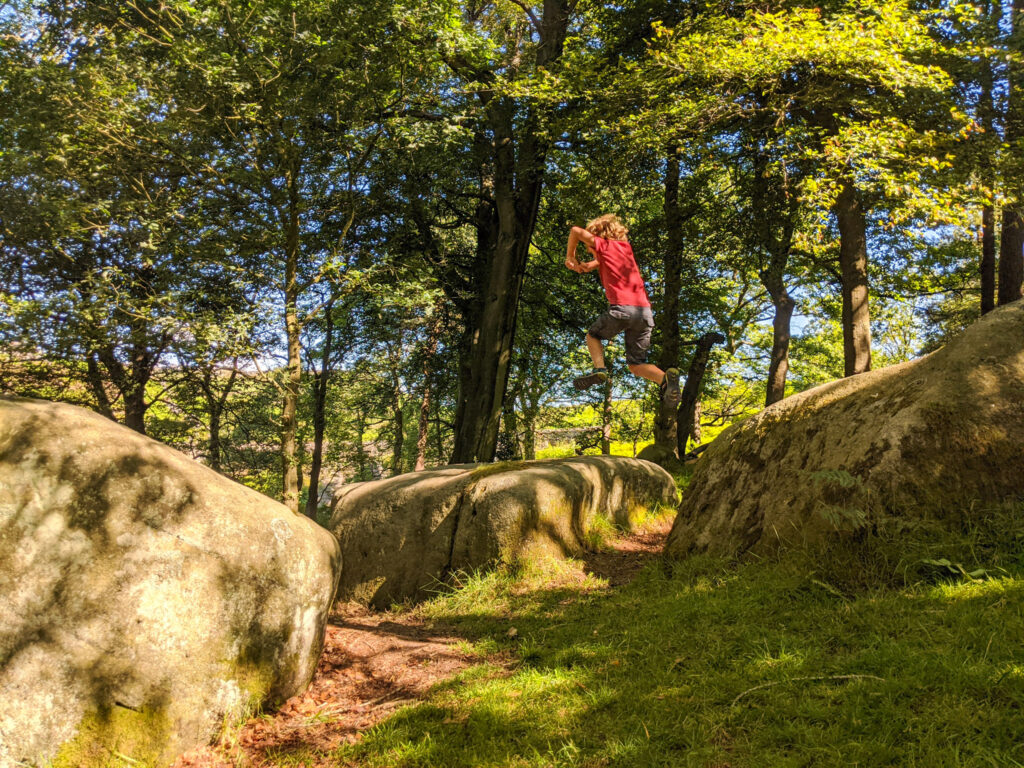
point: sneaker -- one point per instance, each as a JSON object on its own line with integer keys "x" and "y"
{"x": 670, "y": 388}
{"x": 597, "y": 376}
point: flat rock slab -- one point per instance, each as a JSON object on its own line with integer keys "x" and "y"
{"x": 145, "y": 600}
{"x": 399, "y": 537}
{"x": 925, "y": 438}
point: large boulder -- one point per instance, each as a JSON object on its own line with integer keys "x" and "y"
{"x": 145, "y": 600}
{"x": 921, "y": 439}
{"x": 400, "y": 536}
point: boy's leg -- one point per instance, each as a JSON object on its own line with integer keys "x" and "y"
{"x": 599, "y": 374}
{"x": 596, "y": 349}
{"x": 605, "y": 327}
{"x": 638, "y": 340}
{"x": 648, "y": 371}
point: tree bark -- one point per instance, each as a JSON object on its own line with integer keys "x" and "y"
{"x": 1011, "y": 254}
{"x": 399, "y": 435}
{"x": 424, "y": 425}
{"x": 774, "y": 213}
{"x": 96, "y": 384}
{"x": 853, "y": 263}
{"x": 988, "y": 259}
{"x": 778, "y": 368}
{"x": 986, "y": 111}
{"x": 606, "y": 419}
{"x": 504, "y": 231}
{"x": 668, "y": 319}
{"x": 320, "y": 386}
{"x": 1011, "y": 241}
{"x": 697, "y": 433}
{"x": 293, "y": 328}
{"x": 215, "y": 404}
{"x": 360, "y": 448}
{"x": 686, "y": 416}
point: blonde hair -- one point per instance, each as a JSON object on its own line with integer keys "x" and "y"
{"x": 608, "y": 226}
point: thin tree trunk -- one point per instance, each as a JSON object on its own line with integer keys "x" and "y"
{"x": 320, "y": 386}
{"x": 95, "y": 379}
{"x": 606, "y": 419}
{"x": 360, "y": 448}
{"x": 668, "y": 319}
{"x": 988, "y": 259}
{"x": 853, "y": 262}
{"x": 215, "y": 404}
{"x": 293, "y": 329}
{"x": 429, "y": 353}
{"x": 686, "y": 416}
{"x": 774, "y": 211}
{"x": 778, "y": 368}
{"x": 423, "y": 429}
{"x": 529, "y": 434}
{"x": 134, "y": 397}
{"x": 399, "y": 436}
{"x": 698, "y": 432}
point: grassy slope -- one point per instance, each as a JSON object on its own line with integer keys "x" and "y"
{"x": 712, "y": 664}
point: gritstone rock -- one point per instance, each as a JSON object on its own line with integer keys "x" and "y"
{"x": 922, "y": 439}
{"x": 145, "y": 600}
{"x": 401, "y": 535}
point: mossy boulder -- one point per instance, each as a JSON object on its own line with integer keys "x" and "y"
{"x": 928, "y": 439}
{"x": 400, "y": 536}
{"x": 145, "y": 600}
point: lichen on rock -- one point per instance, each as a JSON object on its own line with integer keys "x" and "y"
{"x": 402, "y": 535}
{"x": 922, "y": 439}
{"x": 145, "y": 600}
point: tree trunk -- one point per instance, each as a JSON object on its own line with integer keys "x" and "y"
{"x": 606, "y": 419}
{"x": 779, "y": 366}
{"x": 423, "y": 429}
{"x": 487, "y": 352}
{"x": 1011, "y": 241}
{"x": 360, "y": 448}
{"x": 320, "y": 385}
{"x": 986, "y": 111}
{"x": 686, "y": 416}
{"x": 697, "y": 433}
{"x": 429, "y": 353}
{"x": 1011, "y": 254}
{"x": 853, "y": 263}
{"x": 529, "y": 436}
{"x": 774, "y": 211}
{"x": 293, "y": 329}
{"x": 99, "y": 391}
{"x": 988, "y": 259}
{"x": 515, "y": 159}
{"x": 668, "y": 319}
{"x": 399, "y": 436}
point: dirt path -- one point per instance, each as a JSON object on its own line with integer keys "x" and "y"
{"x": 374, "y": 663}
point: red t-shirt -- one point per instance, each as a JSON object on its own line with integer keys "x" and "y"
{"x": 619, "y": 274}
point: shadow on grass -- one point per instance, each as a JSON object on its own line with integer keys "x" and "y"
{"x": 718, "y": 665}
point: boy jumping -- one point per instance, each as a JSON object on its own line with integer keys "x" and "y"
{"x": 629, "y": 309}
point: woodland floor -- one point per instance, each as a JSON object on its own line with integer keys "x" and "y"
{"x": 374, "y": 663}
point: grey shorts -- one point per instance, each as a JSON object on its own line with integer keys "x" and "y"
{"x": 637, "y": 322}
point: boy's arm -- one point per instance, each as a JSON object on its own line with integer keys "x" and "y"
{"x": 576, "y": 236}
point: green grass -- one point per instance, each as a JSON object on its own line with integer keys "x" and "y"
{"x": 712, "y": 664}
